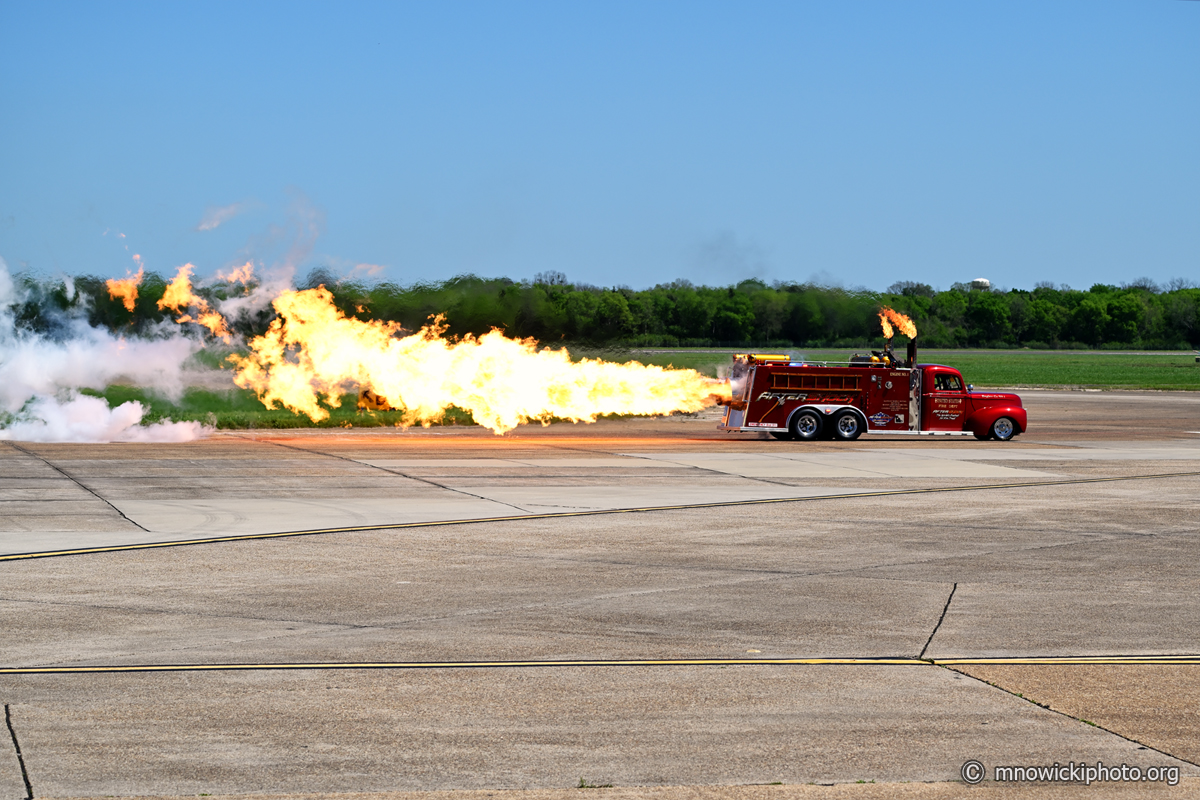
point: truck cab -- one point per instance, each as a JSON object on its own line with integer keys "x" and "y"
{"x": 947, "y": 403}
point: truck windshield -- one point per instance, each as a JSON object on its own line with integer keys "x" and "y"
{"x": 947, "y": 383}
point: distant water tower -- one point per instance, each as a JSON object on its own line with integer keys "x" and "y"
{"x": 982, "y": 284}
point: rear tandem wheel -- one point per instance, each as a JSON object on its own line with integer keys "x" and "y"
{"x": 846, "y": 426}
{"x": 806, "y": 425}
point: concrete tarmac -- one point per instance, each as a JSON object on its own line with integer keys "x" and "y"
{"x": 1066, "y": 543}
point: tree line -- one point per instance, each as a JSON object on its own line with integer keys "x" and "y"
{"x": 751, "y": 313}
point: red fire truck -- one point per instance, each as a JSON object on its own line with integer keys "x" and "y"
{"x": 868, "y": 394}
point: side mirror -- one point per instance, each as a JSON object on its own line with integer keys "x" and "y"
{"x": 970, "y": 387}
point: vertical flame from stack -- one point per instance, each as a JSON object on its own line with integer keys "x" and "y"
{"x": 312, "y": 352}
{"x": 888, "y": 333}
{"x": 889, "y": 317}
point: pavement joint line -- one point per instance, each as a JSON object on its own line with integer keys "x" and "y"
{"x": 1046, "y": 707}
{"x": 645, "y": 457}
{"x": 388, "y": 471}
{"x": 245, "y": 537}
{"x": 75, "y": 481}
{"x": 888, "y": 661}
{"x": 738, "y": 576}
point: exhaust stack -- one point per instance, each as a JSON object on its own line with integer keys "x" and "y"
{"x": 912, "y": 353}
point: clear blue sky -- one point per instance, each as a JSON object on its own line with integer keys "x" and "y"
{"x": 619, "y": 143}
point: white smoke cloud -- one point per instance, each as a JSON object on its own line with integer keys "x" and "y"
{"x": 271, "y": 283}
{"x": 214, "y": 216}
{"x": 32, "y": 365}
{"x": 306, "y": 222}
{"x": 40, "y": 377}
{"x": 286, "y": 247}
{"x": 368, "y": 270}
{"x": 89, "y": 419}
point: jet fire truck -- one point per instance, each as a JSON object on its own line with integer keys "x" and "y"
{"x": 868, "y": 394}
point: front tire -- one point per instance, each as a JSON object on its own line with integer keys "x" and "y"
{"x": 806, "y": 426}
{"x": 1003, "y": 429}
{"x": 847, "y": 426}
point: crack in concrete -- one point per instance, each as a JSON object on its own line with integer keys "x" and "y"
{"x": 933, "y": 633}
{"x": 17, "y": 747}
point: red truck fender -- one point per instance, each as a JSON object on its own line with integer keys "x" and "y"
{"x": 980, "y": 422}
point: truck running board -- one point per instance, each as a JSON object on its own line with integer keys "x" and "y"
{"x": 919, "y": 433}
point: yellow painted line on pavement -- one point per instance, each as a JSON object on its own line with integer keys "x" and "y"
{"x": 246, "y": 537}
{"x": 657, "y": 662}
{"x": 1068, "y": 660}
{"x": 671, "y": 662}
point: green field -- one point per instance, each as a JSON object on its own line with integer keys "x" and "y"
{"x": 1093, "y": 369}
{"x": 238, "y": 409}
{"x": 1173, "y": 371}
{"x": 1176, "y": 371}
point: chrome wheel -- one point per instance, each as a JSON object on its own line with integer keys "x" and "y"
{"x": 1004, "y": 429}
{"x": 847, "y": 426}
{"x": 806, "y": 425}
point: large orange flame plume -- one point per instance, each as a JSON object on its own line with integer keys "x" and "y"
{"x": 312, "y": 352}
{"x": 179, "y": 296}
{"x": 889, "y": 317}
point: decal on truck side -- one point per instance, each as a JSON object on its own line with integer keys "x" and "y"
{"x": 787, "y": 397}
{"x": 879, "y": 420}
{"x": 782, "y": 396}
{"x": 839, "y": 399}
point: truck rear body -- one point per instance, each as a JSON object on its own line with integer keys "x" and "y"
{"x": 792, "y": 399}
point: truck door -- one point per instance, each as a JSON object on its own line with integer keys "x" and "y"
{"x": 943, "y": 401}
